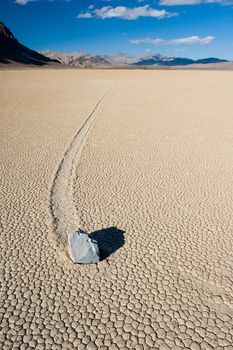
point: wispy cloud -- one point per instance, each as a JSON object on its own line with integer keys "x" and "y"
{"x": 190, "y": 40}
{"x": 85, "y": 15}
{"x": 22, "y": 2}
{"x": 126, "y": 13}
{"x": 193, "y": 2}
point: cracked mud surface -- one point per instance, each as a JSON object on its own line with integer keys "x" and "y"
{"x": 153, "y": 182}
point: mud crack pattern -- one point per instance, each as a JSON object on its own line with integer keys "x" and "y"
{"x": 157, "y": 165}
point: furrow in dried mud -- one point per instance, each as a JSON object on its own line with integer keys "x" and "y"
{"x": 62, "y": 206}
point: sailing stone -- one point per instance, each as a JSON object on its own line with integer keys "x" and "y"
{"x": 82, "y": 249}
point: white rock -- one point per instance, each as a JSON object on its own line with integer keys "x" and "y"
{"x": 82, "y": 249}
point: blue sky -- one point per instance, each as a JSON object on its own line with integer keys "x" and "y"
{"x": 188, "y": 28}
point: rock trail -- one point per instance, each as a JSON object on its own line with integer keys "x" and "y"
{"x": 62, "y": 206}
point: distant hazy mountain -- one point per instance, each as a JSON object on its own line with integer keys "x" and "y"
{"x": 11, "y": 51}
{"x": 159, "y": 60}
{"x": 121, "y": 58}
{"x": 78, "y": 59}
{"x": 210, "y": 60}
{"x": 152, "y": 59}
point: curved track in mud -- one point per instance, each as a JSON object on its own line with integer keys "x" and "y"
{"x": 62, "y": 207}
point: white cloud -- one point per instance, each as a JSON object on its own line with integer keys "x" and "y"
{"x": 22, "y": 2}
{"x": 127, "y": 13}
{"x": 148, "y": 41}
{"x": 190, "y": 40}
{"x": 193, "y": 2}
{"x": 193, "y": 40}
{"x": 85, "y": 15}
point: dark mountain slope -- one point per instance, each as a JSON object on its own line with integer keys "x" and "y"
{"x": 12, "y": 51}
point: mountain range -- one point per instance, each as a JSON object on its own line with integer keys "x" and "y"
{"x": 121, "y": 59}
{"x": 78, "y": 59}
{"x": 159, "y": 60}
{"x": 12, "y": 51}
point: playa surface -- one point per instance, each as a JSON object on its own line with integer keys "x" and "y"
{"x": 150, "y": 177}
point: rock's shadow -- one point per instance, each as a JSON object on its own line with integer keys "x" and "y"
{"x": 109, "y": 241}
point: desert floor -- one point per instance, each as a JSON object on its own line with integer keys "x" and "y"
{"x": 151, "y": 180}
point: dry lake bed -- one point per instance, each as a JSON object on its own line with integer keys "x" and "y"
{"x": 141, "y": 160}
